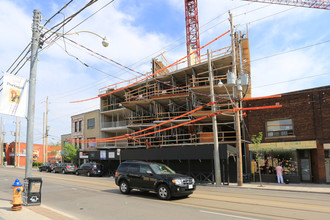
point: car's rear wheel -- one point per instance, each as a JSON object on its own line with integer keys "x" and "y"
{"x": 163, "y": 192}
{"x": 124, "y": 187}
{"x": 54, "y": 171}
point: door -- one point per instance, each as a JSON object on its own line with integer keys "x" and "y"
{"x": 305, "y": 166}
{"x": 134, "y": 176}
{"x": 327, "y": 169}
{"x": 147, "y": 179}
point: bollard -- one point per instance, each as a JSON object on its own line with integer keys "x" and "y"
{"x": 17, "y": 196}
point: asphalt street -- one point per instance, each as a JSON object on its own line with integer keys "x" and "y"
{"x": 80, "y": 197}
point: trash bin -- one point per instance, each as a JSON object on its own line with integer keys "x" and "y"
{"x": 32, "y": 191}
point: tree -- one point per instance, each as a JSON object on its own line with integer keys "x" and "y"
{"x": 69, "y": 153}
{"x": 259, "y": 152}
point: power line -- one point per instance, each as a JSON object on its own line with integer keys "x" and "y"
{"x": 301, "y": 78}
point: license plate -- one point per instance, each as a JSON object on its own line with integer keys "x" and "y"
{"x": 190, "y": 186}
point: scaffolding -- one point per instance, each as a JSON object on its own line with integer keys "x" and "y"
{"x": 172, "y": 93}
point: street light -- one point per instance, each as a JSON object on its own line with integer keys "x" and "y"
{"x": 32, "y": 87}
{"x": 105, "y": 41}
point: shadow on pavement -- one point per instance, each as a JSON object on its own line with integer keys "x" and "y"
{"x": 141, "y": 194}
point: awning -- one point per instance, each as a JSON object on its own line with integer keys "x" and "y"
{"x": 293, "y": 145}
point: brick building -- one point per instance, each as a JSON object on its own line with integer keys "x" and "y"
{"x": 53, "y": 153}
{"x": 297, "y": 135}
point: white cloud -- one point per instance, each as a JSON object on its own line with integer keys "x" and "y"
{"x": 62, "y": 78}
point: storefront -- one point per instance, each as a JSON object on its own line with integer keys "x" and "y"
{"x": 327, "y": 161}
{"x": 295, "y": 157}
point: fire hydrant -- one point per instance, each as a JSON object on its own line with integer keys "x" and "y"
{"x": 17, "y": 196}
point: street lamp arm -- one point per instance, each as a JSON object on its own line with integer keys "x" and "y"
{"x": 77, "y": 32}
{"x": 105, "y": 42}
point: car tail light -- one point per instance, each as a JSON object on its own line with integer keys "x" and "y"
{"x": 67, "y": 167}
{"x": 75, "y": 167}
{"x": 116, "y": 174}
{"x": 92, "y": 169}
{"x": 50, "y": 165}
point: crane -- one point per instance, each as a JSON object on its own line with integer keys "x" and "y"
{"x": 319, "y": 4}
{"x": 192, "y": 24}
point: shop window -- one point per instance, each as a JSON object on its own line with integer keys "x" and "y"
{"x": 270, "y": 159}
{"x": 327, "y": 153}
{"x": 279, "y": 128}
{"x": 91, "y": 123}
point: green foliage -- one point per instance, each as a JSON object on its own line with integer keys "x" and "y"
{"x": 36, "y": 164}
{"x": 69, "y": 153}
{"x": 256, "y": 140}
{"x": 259, "y": 151}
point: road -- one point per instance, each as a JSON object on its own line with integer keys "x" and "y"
{"x": 99, "y": 198}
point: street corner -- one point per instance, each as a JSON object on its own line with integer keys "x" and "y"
{"x": 23, "y": 214}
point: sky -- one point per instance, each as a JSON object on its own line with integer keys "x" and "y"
{"x": 289, "y": 48}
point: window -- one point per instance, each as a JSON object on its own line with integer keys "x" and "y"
{"x": 76, "y": 126}
{"x": 279, "y": 128}
{"x": 91, "y": 123}
{"x": 134, "y": 168}
{"x": 144, "y": 168}
{"x": 79, "y": 125}
{"x": 91, "y": 142}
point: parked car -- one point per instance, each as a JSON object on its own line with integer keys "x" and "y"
{"x": 46, "y": 167}
{"x": 64, "y": 168}
{"x": 154, "y": 177}
{"x": 90, "y": 169}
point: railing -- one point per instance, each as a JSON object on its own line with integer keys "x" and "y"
{"x": 155, "y": 141}
{"x": 134, "y": 120}
{"x": 151, "y": 91}
{"x": 215, "y": 54}
{"x": 111, "y": 107}
{"x": 205, "y": 81}
{"x": 114, "y": 124}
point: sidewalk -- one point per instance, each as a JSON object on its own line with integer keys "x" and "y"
{"x": 29, "y": 212}
{"x": 299, "y": 187}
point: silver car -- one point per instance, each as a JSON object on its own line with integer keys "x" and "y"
{"x": 65, "y": 168}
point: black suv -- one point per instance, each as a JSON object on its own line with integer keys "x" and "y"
{"x": 155, "y": 177}
{"x": 46, "y": 167}
{"x": 90, "y": 169}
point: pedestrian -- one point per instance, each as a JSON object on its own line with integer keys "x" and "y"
{"x": 279, "y": 173}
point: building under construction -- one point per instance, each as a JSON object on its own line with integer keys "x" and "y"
{"x": 185, "y": 143}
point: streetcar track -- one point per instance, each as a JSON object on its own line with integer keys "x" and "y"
{"x": 103, "y": 185}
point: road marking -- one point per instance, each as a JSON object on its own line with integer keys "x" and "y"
{"x": 235, "y": 216}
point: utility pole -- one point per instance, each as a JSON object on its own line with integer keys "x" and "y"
{"x": 15, "y": 165}
{"x": 46, "y": 128}
{"x": 214, "y": 125}
{"x": 1, "y": 147}
{"x": 43, "y": 140}
{"x": 19, "y": 143}
{"x": 4, "y": 135}
{"x": 236, "y": 97}
{"x": 32, "y": 91}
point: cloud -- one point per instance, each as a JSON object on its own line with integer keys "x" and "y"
{"x": 63, "y": 78}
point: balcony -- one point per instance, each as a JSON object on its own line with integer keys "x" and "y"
{"x": 114, "y": 124}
